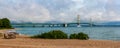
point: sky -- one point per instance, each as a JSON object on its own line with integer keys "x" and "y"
{"x": 41, "y": 11}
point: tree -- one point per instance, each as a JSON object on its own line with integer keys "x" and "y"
{"x": 0, "y": 23}
{"x": 81, "y": 36}
{"x": 54, "y": 34}
{"x": 5, "y": 23}
{"x": 73, "y": 36}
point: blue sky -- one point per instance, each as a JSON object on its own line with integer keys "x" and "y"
{"x": 39, "y": 11}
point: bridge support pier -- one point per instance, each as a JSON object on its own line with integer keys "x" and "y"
{"x": 65, "y": 25}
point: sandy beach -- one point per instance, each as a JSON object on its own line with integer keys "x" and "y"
{"x": 26, "y": 42}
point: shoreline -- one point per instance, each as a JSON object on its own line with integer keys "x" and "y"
{"x": 5, "y": 30}
{"x": 26, "y": 42}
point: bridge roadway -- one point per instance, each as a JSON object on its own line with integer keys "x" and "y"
{"x": 49, "y": 24}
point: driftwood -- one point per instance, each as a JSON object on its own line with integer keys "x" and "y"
{"x": 10, "y": 35}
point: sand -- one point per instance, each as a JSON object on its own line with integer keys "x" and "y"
{"x": 26, "y": 42}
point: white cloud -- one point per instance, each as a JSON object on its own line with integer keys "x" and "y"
{"x": 30, "y": 12}
{"x": 59, "y": 10}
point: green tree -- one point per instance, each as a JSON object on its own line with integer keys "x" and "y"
{"x": 73, "y": 36}
{"x": 0, "y": 23}
{"x": 81, "y": 36}
{"x": 5, "y": 23}
{"x": 54, "y": 34}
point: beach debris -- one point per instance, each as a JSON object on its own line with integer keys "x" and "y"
{"x": 10, "y": 35}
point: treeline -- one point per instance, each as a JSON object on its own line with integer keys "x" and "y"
{"x": 5, "y": 23}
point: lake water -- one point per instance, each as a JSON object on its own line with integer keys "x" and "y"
{"x": 97, "y": 33}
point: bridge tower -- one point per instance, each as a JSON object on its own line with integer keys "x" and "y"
{"x": 66, "y": 25}
{"x": 91, "y": 24}
{"x": 78, "y": 21}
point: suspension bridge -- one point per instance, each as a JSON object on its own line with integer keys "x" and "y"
{"x": 77, "y": 24}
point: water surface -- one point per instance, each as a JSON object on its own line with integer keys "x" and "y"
{"x": 98, "y": 33}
